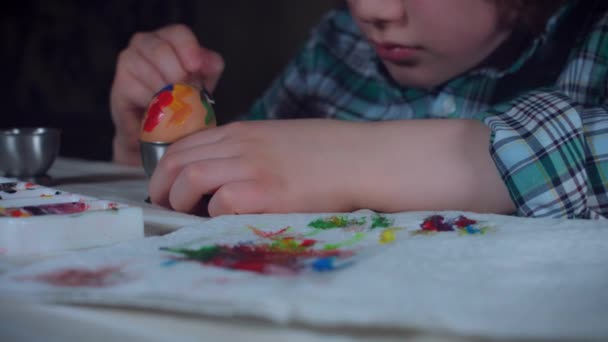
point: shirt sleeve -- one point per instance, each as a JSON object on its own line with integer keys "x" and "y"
{"x": 309, "y": 86}
{"x": 552, "y": 155}
{"x": 284, "y": 97}
{"x": 289, "y": 94}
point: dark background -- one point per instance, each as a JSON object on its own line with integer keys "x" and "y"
{"x": 58, "y": 57}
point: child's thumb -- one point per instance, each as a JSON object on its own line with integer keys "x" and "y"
{"x": 210, "y": 69}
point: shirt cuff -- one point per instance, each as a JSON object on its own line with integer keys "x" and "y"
{"x": 539, "y": 147}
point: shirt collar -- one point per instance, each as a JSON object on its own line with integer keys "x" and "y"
{"x": 533, "y": 47}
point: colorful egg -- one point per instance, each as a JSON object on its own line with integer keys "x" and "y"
{"x": 176, "y": 111}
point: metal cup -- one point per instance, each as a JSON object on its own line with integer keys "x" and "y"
{"x": 28, "y": 152}
{"x": 151, "y": 152}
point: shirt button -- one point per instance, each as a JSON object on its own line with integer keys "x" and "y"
{"x": 443, "y": 105}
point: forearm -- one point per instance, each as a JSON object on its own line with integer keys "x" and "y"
{"x": 431, "y": 165}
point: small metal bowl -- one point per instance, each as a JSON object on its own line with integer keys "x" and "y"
{"x": 28, "y": 152}
{"x": 151, "y": 152}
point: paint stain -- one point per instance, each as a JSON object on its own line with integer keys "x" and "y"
{"x": 156, "y": 110}
{"x": 388, "y": 235}
{"x": 337, "y": 221}
{"x": 329, "y": 264}
{"x": 79, "y": 277}
{"x": 381, "y": 221}
{"x": 462, "y": 221}
{"x": 269, "y": 235}
{"x": 181, "y": 109}
{"x": 473, "y": 230}
{"x": 436, "y": 223}
{"x": 12, "y": 187}
{"x": 286, "y": 256}
{"x": 8, "y": 187}
{"x": 46, "y": 209}
{"x": 210, "y": 117}
{"x": 334, "y": 246}
{"x": 462, "y": 224}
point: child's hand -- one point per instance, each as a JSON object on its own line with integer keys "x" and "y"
{"x": 151, "y": 61}
{"x": 262, "y": 166}
{"x": 332, "y": 166}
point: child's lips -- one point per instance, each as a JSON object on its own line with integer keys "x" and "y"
{"x": 396, "y": 53}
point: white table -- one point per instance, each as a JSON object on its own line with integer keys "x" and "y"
{"x": 36, "y": 322}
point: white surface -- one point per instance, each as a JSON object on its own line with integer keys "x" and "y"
{"x": 61, "y": 222}
{"x": 117, "y": 183}
{"x": 65, "y": 323}
{"x": 529, "y": 278}
{"x": 522, "y": 279}
{"x": 43, "y": 235}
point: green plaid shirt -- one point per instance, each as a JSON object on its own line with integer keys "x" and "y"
{"x": 547, "y": 108}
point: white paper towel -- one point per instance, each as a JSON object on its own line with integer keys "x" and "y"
{"x": 509, "y": 277}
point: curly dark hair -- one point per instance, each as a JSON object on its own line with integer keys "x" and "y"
{"x": 527, "y": 15}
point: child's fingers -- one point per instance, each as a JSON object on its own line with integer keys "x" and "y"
{"x": 163, "y": 55}
{"x": 126, "y": 151}
{"x": 159, "y": 53}
{"x": 203, "y": 66}
{"x": 177, "y": 55}
{"x": 185, "y": 43}
{"x": 211, "y": 68}
{"x": 243, "y": 197}
{"x": 204, "y": 177}
{"x": 172, "y": 164}
{"x": 129, "y": 98}
{"x": 133, "y": 63}
{"x": 204, "y": 137}
{"x": 198, "y": 147}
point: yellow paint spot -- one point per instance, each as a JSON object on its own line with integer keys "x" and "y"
{"x": 388, "y": 235}
{"x": 181, "y": 109}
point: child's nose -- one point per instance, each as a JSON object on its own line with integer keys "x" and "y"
{"x": 380, "y": 12}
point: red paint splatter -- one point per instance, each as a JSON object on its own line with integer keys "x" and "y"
{"x": 46, "y": 209}
{"x": 62, "y": 208}
{"x": 462, "y": 221}
{"x": 268, "y": 235}
{"x": 436, "y": 223}
{"x": 17, "y": 213}
{"x": 155, "y": 112}
{"x": 74, "y": 277}
{"x": 308, "y": 243}
{"x": 275, "y": 259}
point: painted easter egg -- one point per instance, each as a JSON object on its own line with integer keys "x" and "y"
{"x": 176, "y": 111}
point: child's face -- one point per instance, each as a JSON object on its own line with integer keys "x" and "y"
{"x": 424, "y": 43}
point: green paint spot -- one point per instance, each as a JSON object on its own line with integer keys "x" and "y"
{"x": 287, "y": 245}
{"x": 332, "y": 246}
{"x": 313, "y": 233}
{"x": 336, "y": 222}
{"x": 204, "y": 253}
{"x": 210, "y": 117}
{"x": 380, "y": 221}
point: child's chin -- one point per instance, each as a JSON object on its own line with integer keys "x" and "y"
{"x": 416, "y": 76}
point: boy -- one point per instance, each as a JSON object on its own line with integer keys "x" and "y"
{"x": 528, "y": 135}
